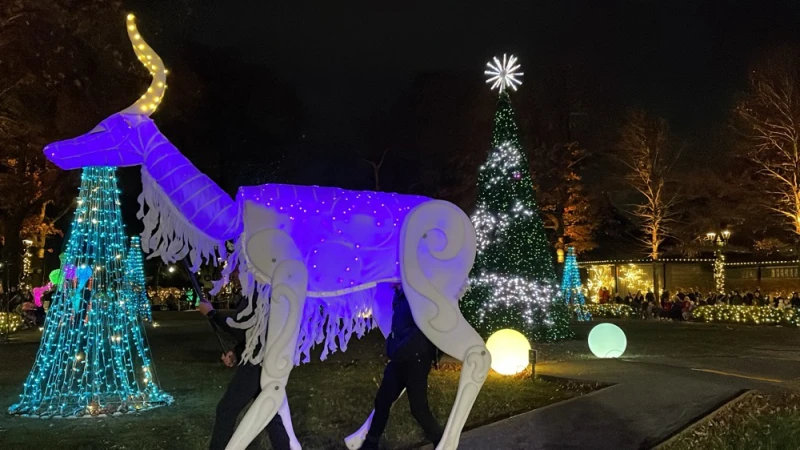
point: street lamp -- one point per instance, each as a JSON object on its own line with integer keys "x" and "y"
{"x": 719, "y": 239}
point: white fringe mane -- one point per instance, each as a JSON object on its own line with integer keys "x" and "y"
{"x": 168, "y": 234}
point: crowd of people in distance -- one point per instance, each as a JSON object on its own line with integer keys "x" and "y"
{"x": 680, "y": 305}
{"x": 20, "y": 302}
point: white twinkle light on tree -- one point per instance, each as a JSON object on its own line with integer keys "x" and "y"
{"x": 509, "y": 350}
{"x": 503, "y": 74}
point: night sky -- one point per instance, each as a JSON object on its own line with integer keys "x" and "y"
{"x": 335, "y": 80}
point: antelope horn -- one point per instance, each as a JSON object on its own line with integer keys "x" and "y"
{"x": 148, "y": 102}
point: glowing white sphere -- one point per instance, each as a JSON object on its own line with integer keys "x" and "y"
{"x": 510, "y": 351}
{"x": 607, "y": 341}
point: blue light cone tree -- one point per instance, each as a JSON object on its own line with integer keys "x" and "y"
{"x": 134, "y": 271}
{"x": 571, "y": 288}
{"x": 513, "y": 282}
{"x": 93, "y": 358}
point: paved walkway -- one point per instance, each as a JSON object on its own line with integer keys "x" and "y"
{"x": 648, "y": 403}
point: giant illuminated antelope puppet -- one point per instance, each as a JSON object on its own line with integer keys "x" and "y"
{"x": 320, "y": 260}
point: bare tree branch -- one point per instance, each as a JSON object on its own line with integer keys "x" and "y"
{"x": 646, "y": 152}
{"x": 376, "y": 168}
{"x": 768, "y": 118}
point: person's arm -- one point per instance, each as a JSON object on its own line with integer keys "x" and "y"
{"x": 407, "y": 340}
{"x": 220, "y": 322}
{"x": 208, "y": 310}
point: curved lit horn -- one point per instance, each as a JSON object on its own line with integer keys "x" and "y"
{"x": 148, "y": 102}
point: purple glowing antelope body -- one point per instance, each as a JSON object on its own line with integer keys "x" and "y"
{"x": 322, "y": 260}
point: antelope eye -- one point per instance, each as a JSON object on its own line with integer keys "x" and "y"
{"x": 98, "y": 129}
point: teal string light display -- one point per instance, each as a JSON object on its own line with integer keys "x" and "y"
{"x": 93, "y": 359}
{"x": 191, "y": 298}
{"x": 134, "y": 271}
{"x": 571, "y": 288}
{"x": 513, "y": 282}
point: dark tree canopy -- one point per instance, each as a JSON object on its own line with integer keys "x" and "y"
{"x": 65, "y": 65}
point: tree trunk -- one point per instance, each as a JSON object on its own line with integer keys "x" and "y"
{"x": 655, "y": 278}
{"x": 41, "y": 242}
{"x": 12, "y": 253}
{"x": 376, "y": 170}
{"x": 41, "y": 236}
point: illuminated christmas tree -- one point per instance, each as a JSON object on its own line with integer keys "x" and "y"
{"x": 134, "y": 271}
{"x": 571, "y": 288}
{"x": 93, "y": 358}
{"x": 513, "y": 282}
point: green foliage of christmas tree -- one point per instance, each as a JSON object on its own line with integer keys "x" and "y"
{"x": 513, "y": 282}
{"x": 93, "y": 358}
{"x": 516, "y": 243}
{"x": 134, "y": 271}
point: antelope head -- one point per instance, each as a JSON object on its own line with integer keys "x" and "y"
{"x": 115, "y": 141}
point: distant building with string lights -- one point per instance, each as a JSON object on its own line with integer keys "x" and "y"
{"x": 625, "y": 276}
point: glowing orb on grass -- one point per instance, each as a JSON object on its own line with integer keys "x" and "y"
{"x": 607, "y": 341}
{"x": 509, "y": 350}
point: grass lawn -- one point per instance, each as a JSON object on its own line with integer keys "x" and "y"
{"x": 329, "y": 400}
{"x": 768, "y": 422}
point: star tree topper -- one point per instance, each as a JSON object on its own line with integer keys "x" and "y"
{"x": 503, "y": 74}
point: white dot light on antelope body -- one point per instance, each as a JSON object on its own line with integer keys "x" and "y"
{"x": 510, "y": 351}
{"x": 607, "y": 341}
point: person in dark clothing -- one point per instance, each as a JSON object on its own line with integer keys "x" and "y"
{"x": 41, "y": 311}
{"x": 243, "y": 387}
{"x": 676, "y": 313}
{"x": 410, "y": 356}
{"x": 795, "y": 302}
{"x": 14, "y": 299}
{"x": 637, "y": 306}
